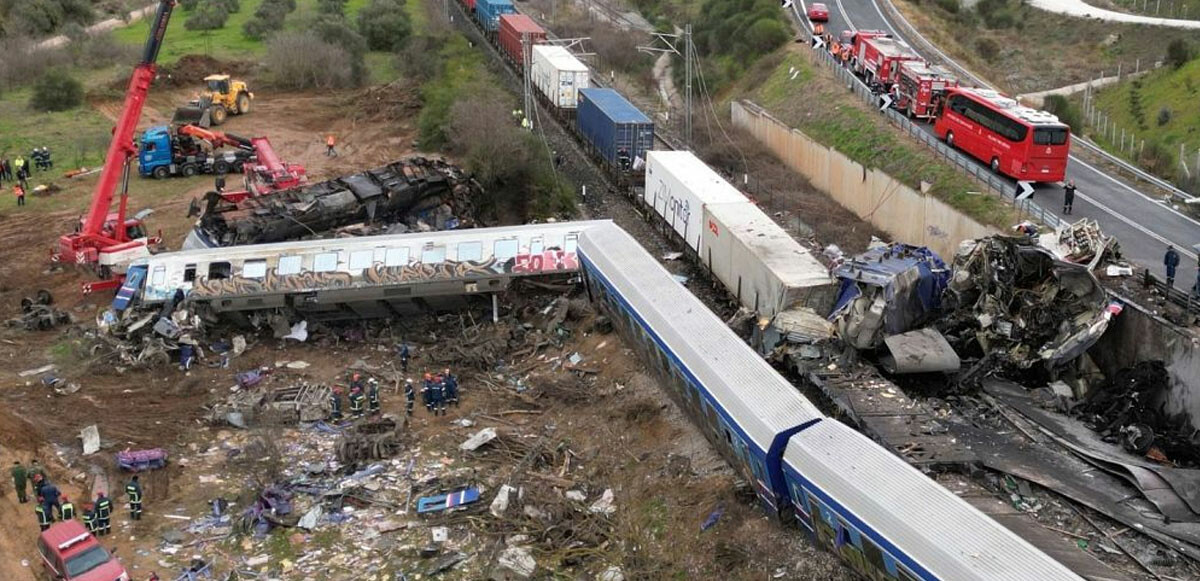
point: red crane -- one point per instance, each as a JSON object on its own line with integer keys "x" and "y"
{"x": 107, "y": 241}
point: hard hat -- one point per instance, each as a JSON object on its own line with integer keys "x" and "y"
{"x": 408, "y": 380}
{"x": 37, "y": 477}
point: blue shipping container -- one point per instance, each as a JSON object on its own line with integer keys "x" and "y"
{"x": 489, "y": 11}
{"x": 610, "y": 124}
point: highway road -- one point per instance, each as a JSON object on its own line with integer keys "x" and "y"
{"x": 1143, "y": 225}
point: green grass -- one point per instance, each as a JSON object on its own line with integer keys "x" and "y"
{"x": 1177, "y": 91}
{"x": 227, "y": 43}
{"x": 865, "y": 137}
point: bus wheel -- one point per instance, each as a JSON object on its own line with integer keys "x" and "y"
{"x": 950, "y": 138}
{"x": 995, "y": 164}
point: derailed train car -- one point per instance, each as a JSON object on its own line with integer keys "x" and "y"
{"x": 883, "y": 517}
{"x": 410, "y": 190}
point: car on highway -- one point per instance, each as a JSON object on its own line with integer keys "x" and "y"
{"x": 70, "y": 553}
{"x": 818, "y": 12}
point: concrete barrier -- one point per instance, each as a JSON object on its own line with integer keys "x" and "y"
{"x": 871, "y": 194}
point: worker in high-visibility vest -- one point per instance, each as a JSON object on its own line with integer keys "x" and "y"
{"x": 134, "y": 491}
{"x": 68, "y": 509}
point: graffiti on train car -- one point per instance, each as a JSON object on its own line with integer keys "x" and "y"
{"x": 377, "y": 275}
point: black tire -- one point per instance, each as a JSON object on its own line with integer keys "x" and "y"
{"x": 950, "y": 138}
{"x": 237, "y": 167}
{"x": 26, "y": 304}
{"x": 161, "y": 172}
{"x": 243, "y": 103}
{"x": 221, "y": 167}
{"x": 995, "y": 165}
{"x": 189, "y": 170}
{"x": 44, "y": 297}
{"x": 218, "y": 114}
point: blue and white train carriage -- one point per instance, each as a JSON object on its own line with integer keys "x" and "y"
{"x": 365, "y": 276}
{"x": 883, "y": 517}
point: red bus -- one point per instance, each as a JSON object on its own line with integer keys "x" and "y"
{"x": 1014, "y": 140}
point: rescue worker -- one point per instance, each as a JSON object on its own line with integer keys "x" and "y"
{"x": 19, "y": 167}
{"x": 356, "y": 402}
{"x": 19, "y": 192}
{"x": 403, "y": 351}
{"x": 103, "y": 514}
{"x": 439, "y": 396}
{"x": 134, "y": 491}
{"x": 623, "y": 160}
{"x": 329, "y": 143}
{"x": 89, "y": 517}
{"x": 51, "y": 496}
{"x": 187, "y": 354}
{"x": 373, "y": 396}
{"x": 356, "y": 381}
{"x": 37, "y": 475}
{"x": 44, "y": 519}
{"x": 1068, "y": 197}
{"x": 68, "y": 509}
{"x": 1171, "y": 261}
{"x": 410, "y": 396}
{"x": 335, "y": 404}
{"x": 19, "y": 476}
{"x": 451, "y": 388}
{"x": 427, "y": 393}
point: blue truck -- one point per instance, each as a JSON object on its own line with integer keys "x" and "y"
{"x": 190, "y": 150}
{"x": 614, "y": 129}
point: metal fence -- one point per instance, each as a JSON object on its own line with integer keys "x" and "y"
{"x": 991, "y": 183}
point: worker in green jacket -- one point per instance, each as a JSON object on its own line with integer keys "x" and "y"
{"x": 19, "y": 476}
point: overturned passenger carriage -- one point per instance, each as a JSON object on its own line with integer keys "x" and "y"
{"x": 415, "y": 189}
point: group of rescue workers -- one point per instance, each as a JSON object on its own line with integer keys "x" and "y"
{"x": 53, "y": 505}
{"x": 438, "y": 391}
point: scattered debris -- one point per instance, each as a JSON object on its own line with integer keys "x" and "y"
{"x": 440, "y": 502}
{"x": 887, "y": 290}
{"x": 518, "y": 561}
{"x": 264, "y": 405}
{"x": 368, "y": 441}
{"x": 478, "y": 439}
{"x": 141, "y": 460}
{"x": 91, "y": 439}
{"x": 39, "y": 314}
{"x": 1128, "y": 410}
{"x": 605, "y": 505}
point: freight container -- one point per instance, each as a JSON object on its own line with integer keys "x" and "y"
{"x": 470, "y": 4}
{"x": 679, "y": 186}
{"x": 761, "y": 264}
{"x": 558, "y": 75}
{"x": 488, "y": 12}
{"x": 616, "y": 130}
{"x": 513, "y": 28}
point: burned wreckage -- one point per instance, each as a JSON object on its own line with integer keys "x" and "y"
{"x": 413, "y": 193}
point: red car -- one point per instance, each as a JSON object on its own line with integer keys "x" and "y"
{"x": 818, "y": 12}
{"x": 70, "y": 553}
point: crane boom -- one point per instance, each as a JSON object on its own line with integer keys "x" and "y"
{"x": 85, "y": 245}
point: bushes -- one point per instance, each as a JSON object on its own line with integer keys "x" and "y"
{"x": 332, "y": 7}
{"x": 1156, "y": 158}
{"x": 43, "y": 17}
{"x": 337, "y": 32}
{"x": 1179, "y": 52}
{"x": 268, "y": 18}
{"x": 417, "y": 61}
{"x": 56, "y": 91}
{"x": 999, "y": 13}
{"x": 732, "y": 33}
{"x": 1066, "y": 111}
{"x": 207, "y": 16}
{"x": 385, "y": 25}
{"x": 302, "y": 60}
{"x": 1164, "y": 116}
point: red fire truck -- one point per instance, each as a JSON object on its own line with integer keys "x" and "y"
{"x": 920, "y": 87}
{"x": 877, "y": 57}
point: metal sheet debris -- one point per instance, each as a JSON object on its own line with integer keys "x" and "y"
{"x": 920, "y": 351}
{"x": 91, "y": 439}
{"x": 887, "y": 290}
{"x": 478, "y": 439}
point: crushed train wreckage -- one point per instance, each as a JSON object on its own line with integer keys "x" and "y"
{"x": 411, "y": 194}
{"x": 1011, "y": 303}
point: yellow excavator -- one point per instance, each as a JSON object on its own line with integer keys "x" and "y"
{"x": 224, "y": 97}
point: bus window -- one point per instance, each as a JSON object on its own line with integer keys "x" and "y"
{"x": 1050, "y": 135}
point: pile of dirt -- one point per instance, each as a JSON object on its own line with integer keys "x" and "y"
{"x": 392, "y": 102}
{"x": 191, "y": 69}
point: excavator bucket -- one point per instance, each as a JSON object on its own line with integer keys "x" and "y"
{"x": 191, "y": 115}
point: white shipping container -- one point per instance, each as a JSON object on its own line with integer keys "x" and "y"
{"x": 761, "y": 264}
{"x": 679, "y": 186}
{"x": 558, "y": 75}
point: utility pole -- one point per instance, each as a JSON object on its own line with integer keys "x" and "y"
{"x": 528, "y": 96}
{"x": 689, "y": 54}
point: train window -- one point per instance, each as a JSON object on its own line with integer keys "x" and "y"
{"x": 219, "y": 270}
{"x": 873, "y": 554}
{"x": 728, "y": 436}
{"x": 288, "y": 265}
{"x": 555, "y": 243}
{"x": 505, "y": 249}
{"x": 906, "y": 575}
{"x": 361, "y": 259}
{"x": 189, "y": 273}
{"x": 536, "y": 246}
{"x": 472, "y": 251}
{"x": 325, "y": 262}
{"x": 254, "y": 268}
{"x": 159, "y": 276}
{"x": 433, "y": 254}
{"x": 571, "y": 243}
{"x": 396, "y": 257}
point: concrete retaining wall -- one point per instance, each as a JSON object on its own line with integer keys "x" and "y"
{"x": 872, "y": 195}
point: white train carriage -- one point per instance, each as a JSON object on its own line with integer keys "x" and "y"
{"x": 745, "y": 407}
{"x": 369, "y": 275}
{"x": 890, "y": 522}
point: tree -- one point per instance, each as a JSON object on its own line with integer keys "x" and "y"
{"x": 332, "y": 7}
{"x": 385, "y": 25}
{"x": 1179, "y": 52}
{"x": 207, "y": 16}
{"x": 302, "y": 60}
{"x": 336, "y": 31}
{"x": 56, "y": 91}
{"x": 765, "y": 35}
